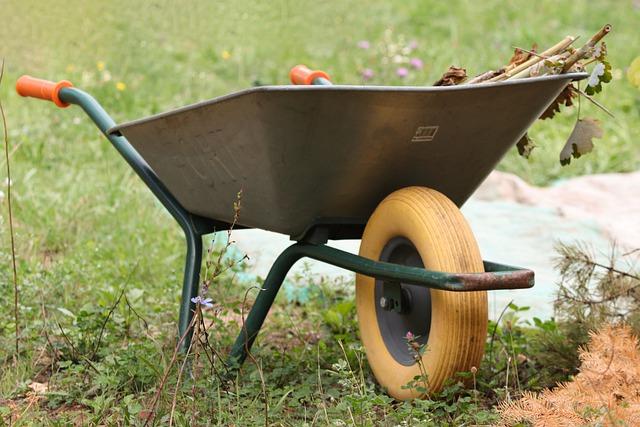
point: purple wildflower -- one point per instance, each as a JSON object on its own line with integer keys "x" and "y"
{"x": 413, "y": 45}
{"x": 364, "y": 44}
{"x": 410, "y": 337}
{"x": 402, "y": 72}
{"x": 416, "y": 63}
{"x": 206, "y": 302}
{"x": 367, "y": 74}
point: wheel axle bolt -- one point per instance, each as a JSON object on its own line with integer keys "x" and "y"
{"x": 383, "y": 302}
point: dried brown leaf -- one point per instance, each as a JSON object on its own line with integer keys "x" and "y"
{"x": 521, "y": 56}
{"x": 580, "y": 141}
{"x": 565, "y": 97}
{"x": 452, "y": 77}
{"x": 525, "y": 146}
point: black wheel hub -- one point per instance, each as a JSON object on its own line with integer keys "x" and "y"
{"x": 400, "y": 307}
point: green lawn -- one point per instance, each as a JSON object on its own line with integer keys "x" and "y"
{"x": 85, "y": 225}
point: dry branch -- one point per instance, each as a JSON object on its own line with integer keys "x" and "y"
{"x": 553, "y": 50}
{"x": 584, "y": 50}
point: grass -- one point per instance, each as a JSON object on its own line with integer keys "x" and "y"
{"x": 86, "y": 226}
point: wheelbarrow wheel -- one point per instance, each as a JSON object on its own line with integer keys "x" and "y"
{"x": 420, "y": 227}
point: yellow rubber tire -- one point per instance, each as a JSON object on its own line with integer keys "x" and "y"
{"x": 445, "y": 242}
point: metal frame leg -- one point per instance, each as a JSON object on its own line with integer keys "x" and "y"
{"x": 495, "y": 277}
{"x": 263, "y": 304}
{"x": 190, "y": 288}
{"x": 194, "y": 227}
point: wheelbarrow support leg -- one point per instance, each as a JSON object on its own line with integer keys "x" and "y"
{"x": 194, "y": 227}
{"x": 263, "y": 303}
{"x": 190, "y": 288}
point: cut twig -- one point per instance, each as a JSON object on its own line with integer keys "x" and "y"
{"x": 536, "y": 68}
{"x": 584, "y": 50}
{"x": 485, "y": 76}
{"x": 553, "y": 50}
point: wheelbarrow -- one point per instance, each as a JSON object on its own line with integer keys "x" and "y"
{"x": 390, "y": 165}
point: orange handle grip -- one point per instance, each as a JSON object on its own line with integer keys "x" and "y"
{"x": 43, "y": 89}
{"x": 303, "y": 75}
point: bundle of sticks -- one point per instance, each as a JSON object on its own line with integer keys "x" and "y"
{"x": 559, "y": 58}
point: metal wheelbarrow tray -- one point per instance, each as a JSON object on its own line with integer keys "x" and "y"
{"x": 327, "y": 155}
{"x": 313, "y": 162}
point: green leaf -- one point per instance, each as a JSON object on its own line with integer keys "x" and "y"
{"x": 332, "y": 318}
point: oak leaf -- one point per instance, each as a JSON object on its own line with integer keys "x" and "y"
{"x": 565, "y": 97}
{"x": 580, "y": 141}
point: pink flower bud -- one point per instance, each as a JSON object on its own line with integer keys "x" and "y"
{"x": 367, "y": 74}
{"x": 402, "y": 72}
{"x": 416, "y": 63}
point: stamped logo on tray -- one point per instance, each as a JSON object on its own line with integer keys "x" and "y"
{"x": 425, "y": 133}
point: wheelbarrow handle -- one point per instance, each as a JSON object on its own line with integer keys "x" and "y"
{"x": 42, "y": 89}
{"x": 303, "y": 75}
